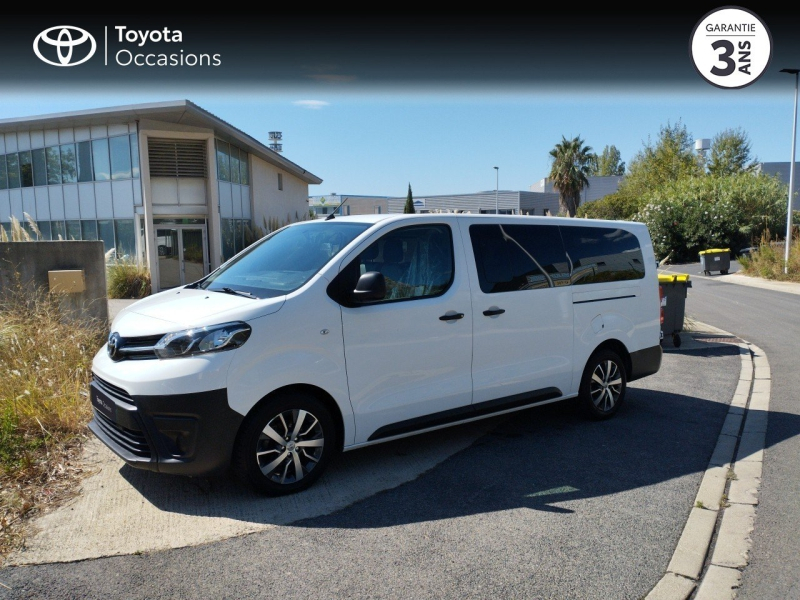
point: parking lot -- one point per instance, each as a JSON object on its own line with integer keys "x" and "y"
{"x": 541, "y": 503}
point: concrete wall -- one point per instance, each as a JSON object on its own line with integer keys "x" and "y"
{"x": 268, "y": 200}
{"x": 32, "y": 261}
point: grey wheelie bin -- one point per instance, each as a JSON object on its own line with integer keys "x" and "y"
{"x": 715, "y": 259}
{"x": 672, "y": 290}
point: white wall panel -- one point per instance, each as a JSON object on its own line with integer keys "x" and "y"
{"x": 51, "y": 137}
{"x": 23, "y": 140}
{"x": 56, "y": 194}
{"x": 82, "y": 134}
{"x": 28, "y": 203}
{"x": 66, "y": 135}
{"x": 99, "y": 131}
{"x": 5, "y": 206}
{"x": 225, "y": 201}
{"x": 87, "y": 202}
{"x": 11, "y": 142}
{"x": 16, "y": 203}
{"x": 42, "y": 203}
{"x": 37, "y": 139}
{"x": 103, "y": 200}
{"x": 122, "y": 192}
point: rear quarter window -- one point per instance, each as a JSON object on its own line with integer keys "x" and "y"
{"x": 601, "y": 254}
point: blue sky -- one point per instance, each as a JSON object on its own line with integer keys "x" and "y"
{"x": 448, "y": 140}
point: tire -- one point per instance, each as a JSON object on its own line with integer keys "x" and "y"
{"x": 676, "y": 340}
{"x": 603, "y": 385}
{"x": 724, "y": 272}
{"x": 295, "y": 452}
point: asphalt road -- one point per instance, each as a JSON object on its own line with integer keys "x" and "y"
{"x": 547, "y": 505}
{"x": 771, "y": 320}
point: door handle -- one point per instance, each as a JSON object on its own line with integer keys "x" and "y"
{"x": 453, "y": 317}
{"x": 494, "y": 311}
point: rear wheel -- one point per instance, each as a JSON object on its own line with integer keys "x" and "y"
{"x": 603, "y": 385}
{"x": 286, "y": 444}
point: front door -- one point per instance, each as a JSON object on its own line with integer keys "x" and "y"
{"x": 181, "y": 255}
{"x": 409, "y": 356}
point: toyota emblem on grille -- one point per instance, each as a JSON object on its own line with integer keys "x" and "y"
{"x": 114, "y": 341}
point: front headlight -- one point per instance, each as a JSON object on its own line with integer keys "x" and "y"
{"x": 202, "y": 340}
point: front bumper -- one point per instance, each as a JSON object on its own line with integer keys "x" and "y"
{"x": 187, "y": 434}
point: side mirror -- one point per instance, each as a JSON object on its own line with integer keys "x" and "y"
{"x": 371, "y": 286}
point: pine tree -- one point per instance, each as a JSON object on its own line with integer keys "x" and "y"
{"x": 409, "y": 207}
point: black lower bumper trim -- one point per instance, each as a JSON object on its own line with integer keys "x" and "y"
{"x": 645, "y": 362}
{"x": 187, "y": 434}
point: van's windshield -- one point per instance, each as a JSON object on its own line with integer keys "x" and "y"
{"x": 285, "y": 260}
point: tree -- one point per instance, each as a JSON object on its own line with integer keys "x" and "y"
{"x": 670, "y": 158}
{"x": 409, "y": 207}
{"x": 572, "y": 164}
{"x": 730, "y": 153}
{"x": 609, "y": 162}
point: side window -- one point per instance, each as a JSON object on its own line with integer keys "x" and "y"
{"x": 600, "y": 254}
{"x": 416, "y": 261}
{"x": 510, "y": 258}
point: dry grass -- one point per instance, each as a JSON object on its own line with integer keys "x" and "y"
{"x": 768, "y": 260}
{"x": 128, "y": 279}
{"x": 45, "y": 362}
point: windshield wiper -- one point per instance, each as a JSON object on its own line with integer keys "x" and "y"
{"x": 227, "y": 290}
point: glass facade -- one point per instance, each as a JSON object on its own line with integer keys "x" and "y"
{"x": 232, "y": 164}
{"x": 116, "y": 157}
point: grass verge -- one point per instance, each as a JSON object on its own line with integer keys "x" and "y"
{"x": 767, "y": 261}
{"x": 45, "y": 369}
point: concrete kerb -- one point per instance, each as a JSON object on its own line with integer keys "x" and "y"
{"x": 728, "y": 495}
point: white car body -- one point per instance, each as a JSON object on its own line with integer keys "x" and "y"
{"x": 385, "y": 369}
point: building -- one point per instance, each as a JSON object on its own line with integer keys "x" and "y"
{"x": 781, "y": 171}
{"x": 168, "y": 184}
{"x": 599, "y": 187}
{"x": 351, "y": 204}
{"x": 508, "y": 202}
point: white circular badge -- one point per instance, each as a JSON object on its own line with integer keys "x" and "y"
{"x": 731, "y": 47}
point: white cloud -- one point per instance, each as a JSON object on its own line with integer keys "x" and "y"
{"x": 311, "y": 104}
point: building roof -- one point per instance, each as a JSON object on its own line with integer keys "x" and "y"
{"x": 183, "y": 112}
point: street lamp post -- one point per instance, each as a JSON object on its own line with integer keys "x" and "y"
{"x": 791, "y": 172}
{"x": 496, "y": 187}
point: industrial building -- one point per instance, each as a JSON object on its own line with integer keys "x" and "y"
{"x": 167, "y": 184}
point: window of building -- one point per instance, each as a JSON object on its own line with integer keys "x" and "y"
{"x": 105, "y": 232}
{"x": 85, "y": 172}
{"x": 73, "y": 230}
{"x": 100, "y": 160}
{"x": 69, "y": 164}
{"x": 53, "y": 158}
{"x": 600, "y": 254}
{"x": 120, "y": 147}
{"x": 39, "y": 167}
{"x": 518, "y": 257}
{"x": 280, "y": 181}
{"x": 3, "y": 173}
{"x": 235, "y": 165}
{"x": 12, "y": 162}
{"x": 125, "y": 238}
{"x": 244, "y": 170}
{"x": 88, "y": 230}
{"x": 134, "y": 156}
{"x": 58, "y": 230}
{"x": 25, "y": 169}
{"x": 223, "y": 161}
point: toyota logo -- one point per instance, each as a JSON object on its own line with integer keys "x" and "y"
{"x": 114, "y": 341}
{"x": 65, "y": 41}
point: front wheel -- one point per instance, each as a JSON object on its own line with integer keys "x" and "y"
{"x": 603, "y": 384}
{"x": 285, "y": 445}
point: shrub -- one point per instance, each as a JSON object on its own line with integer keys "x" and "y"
{"x": 697, "y": 213}
{"x": 127, "y": 279}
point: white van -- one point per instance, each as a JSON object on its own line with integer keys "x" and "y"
{"x": 335, "y": 334}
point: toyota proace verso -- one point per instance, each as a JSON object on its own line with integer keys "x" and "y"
{"x": 334, "y": 334}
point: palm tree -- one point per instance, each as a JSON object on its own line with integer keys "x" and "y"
{"x": 572, "y": 164}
